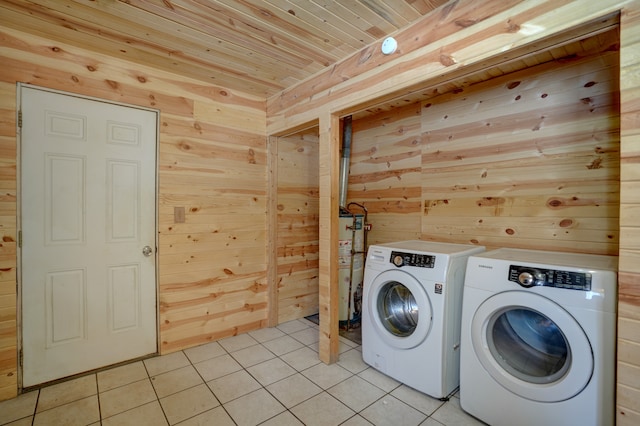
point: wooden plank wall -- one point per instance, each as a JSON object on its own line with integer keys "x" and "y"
{"x": 528, "y": 160}
{"x": 628, "y": 390}
{"x": 8, "y": 231}
{"x": 469, "y": 35}
{"x": 297, "y": 225}
{"x": 212, "y": 267}
{"x": 385, "y": 173}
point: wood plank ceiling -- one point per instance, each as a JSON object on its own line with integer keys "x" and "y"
{"x": 256, "y": 46}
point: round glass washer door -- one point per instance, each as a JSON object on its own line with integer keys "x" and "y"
{"x": 532, "y": 346}
{"x": 399, "y": 309}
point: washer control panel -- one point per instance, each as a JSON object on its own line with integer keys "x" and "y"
{"x": 527, "y": 276}
{"x": 400, "y": 259}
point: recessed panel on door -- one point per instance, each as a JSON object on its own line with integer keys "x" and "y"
{"x": 123, "y": 133}
{"x": 123, "y": 192}
{"x": 64, "y": 125}
{"x": 66, "y": 307}
{"x": 124, "y": 297}
{"x": 64, "y": 199}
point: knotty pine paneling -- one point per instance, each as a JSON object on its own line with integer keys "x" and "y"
{"x": 212, "y": 163}
{"x": 8, "y": 232}
{"x": 528, "y": 160}
{"x": 385, "y": 173}
{"x": 297, "y": 225}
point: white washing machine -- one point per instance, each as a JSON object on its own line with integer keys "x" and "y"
{"x": 411, "y": 312}
{"x": 539, "y": 338}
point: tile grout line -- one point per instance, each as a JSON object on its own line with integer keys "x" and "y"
{"x": 164, "y": 413}
{"x": 355, "y": 372}
{"x": 207, "y": 385}
{"x": 98, "y": 397}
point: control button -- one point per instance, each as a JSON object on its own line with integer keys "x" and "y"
{"x": 398, "y": 260}
{"x": 526, "y": 279}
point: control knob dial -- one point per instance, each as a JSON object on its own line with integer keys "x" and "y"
{"x": 526, "y": 279}
{"x": 531, "y": 278}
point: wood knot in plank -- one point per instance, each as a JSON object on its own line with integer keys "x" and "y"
{"x": 429, "y": 204}
{"x": 557, "y": 202}
{"x": 365, "y": 56}
{"x": 512, "y": 27}
{"x": 465, "y": 23}
{"x": 595, "y": 164}
{"x": 490, "y": 201}
{"x": 447, "y": 60}
{"x": 566, "y": 223}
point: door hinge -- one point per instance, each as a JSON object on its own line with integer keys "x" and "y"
{"x": 20, "y": 119}
{"x": 20, "y": 357}
{"x": 19, "y": 239}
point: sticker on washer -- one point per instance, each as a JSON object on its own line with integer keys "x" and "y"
{"x": 438, "y": 288}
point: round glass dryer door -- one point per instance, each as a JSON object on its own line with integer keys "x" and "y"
{"x": 528, "y": 345}
{"x": 532, "y": 346}
{"x": 399, "y": 308}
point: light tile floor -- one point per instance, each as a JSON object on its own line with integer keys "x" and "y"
{"x": 270, "y": 377}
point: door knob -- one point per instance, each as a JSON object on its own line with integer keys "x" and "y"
{"x": 147, "y": 251}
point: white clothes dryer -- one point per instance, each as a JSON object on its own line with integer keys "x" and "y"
{"x": 539, "y": 338}
{"x": 411, "y": 312}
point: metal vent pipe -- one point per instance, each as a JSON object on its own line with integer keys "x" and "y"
{"x": 345, "y": 159}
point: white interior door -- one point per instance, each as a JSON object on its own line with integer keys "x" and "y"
{"x": 88, "y": 210}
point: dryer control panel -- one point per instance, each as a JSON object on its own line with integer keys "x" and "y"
{"x": 400, "y": 259}
{"x": 527, "y": 276}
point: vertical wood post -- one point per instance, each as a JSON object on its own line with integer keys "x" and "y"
{"x": 628, "y": 350}
{"x": 329, "y": 158}
{"x": 272, "y": 231}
